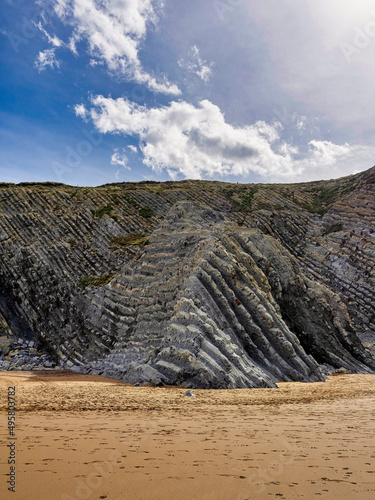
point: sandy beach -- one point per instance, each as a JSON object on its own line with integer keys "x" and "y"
{"x": 85, "y": 437}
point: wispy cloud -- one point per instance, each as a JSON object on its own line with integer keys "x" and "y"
{"x": 119, "y": 158}
{"x": 53, "y": 40}
{"x": 195, "y": 64}
{"x": 114, "y": 32}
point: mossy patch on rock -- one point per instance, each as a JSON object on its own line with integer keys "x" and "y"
{"x": 128, "y": 240}
{"x": 106, "y": 210}
{"x": 95, "y": 281}
{"x": 146, "y": 212}
{"x": 333, "y": 229}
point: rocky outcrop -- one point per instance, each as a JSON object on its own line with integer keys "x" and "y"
{"x": 192, "y": 283}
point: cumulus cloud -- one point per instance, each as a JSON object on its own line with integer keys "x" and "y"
{"x": 119, "y": 158}
{"x": 197, "y": 142}
{"x": 195, "y": 64}
{"x": 132, "y": 148}
{"x": 114, "y": 32}
{"x": 194, "y": 141}
{"x": 46, "y": 58}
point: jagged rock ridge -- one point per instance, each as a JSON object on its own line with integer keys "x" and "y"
{"x": 194, "y": 283}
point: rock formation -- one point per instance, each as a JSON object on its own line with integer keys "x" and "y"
{"x": 195, "y": 283}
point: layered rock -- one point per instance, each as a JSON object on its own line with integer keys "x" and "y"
{"x": 237, "y": 286}
{"x": 208, "y": 305}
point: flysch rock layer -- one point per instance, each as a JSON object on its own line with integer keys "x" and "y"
{"x": 228, "y": 286}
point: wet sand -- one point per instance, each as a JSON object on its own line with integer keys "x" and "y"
{"x": 83, "y": 437}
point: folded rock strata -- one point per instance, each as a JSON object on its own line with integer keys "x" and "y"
{"x": 220, "y": 286}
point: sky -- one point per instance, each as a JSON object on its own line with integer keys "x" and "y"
{"x": 101, "y": 91}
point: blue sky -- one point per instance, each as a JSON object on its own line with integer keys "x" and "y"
{"x": 94, "y": 91}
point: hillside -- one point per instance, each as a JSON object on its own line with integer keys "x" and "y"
{"x": 195, "y": 283}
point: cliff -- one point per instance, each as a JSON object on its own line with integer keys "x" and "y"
{"x": 196, "y": 283}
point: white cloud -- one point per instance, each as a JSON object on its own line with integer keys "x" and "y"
{"x": 73, "y": 40}
{"x": 132, "y": 148}
{"x": 296, "y": 126}
{"x": 119, "y": 158}
{"x": 46, "y": 58}
{"x": 53, "y": 40}
{"x": 81, "y": 111}
{"x": 194, "y": 141}
{"x": 327, "y": 153}
{"x": 194, "y": 64}
{"x": 326, "y": 160}
{"x": 197, "y": 142}
{"x": 114, "y": 31}
{"x": 94, "y": 62}
{"x": 301, "y": 123}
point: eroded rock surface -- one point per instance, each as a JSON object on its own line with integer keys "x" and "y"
{"x": 192, "y": 283}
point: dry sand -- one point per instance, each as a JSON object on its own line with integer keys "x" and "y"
{"x": 83, "y": 437}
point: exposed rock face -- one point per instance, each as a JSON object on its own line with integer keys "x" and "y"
{"x": 194, "y": 283}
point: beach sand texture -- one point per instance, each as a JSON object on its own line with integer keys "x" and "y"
{"x": 84, "y": 437}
